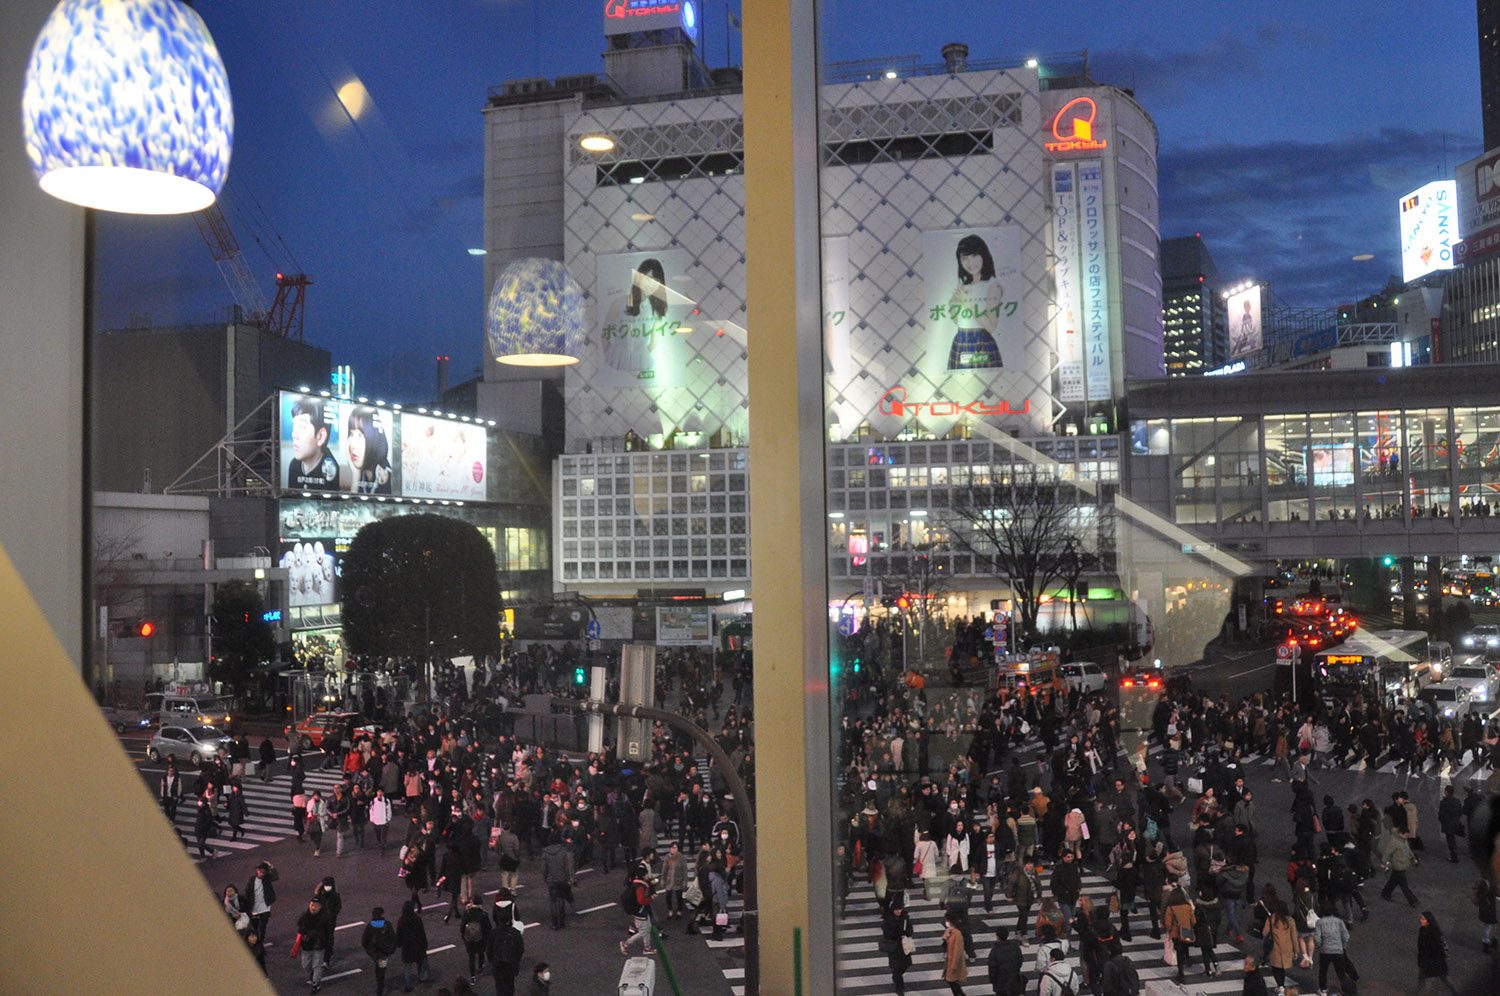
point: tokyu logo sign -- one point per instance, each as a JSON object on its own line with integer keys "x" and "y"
{"x": 629, "y": 16}
{"x": 894, "y": 402}
{"x": 1074, "y": 126}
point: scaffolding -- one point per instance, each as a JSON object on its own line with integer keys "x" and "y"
{"x": 240, "y": 465}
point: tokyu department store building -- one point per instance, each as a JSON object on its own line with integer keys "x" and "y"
{"x": 991, "y": 280}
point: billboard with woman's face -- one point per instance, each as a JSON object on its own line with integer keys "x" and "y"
{"x": 335, "y": 444}
{"x": 640, "y": 306}
{"x": 976, "y": 347}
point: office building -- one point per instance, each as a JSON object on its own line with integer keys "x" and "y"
{"x": 1195, "y": 336}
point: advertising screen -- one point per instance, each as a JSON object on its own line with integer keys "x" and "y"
{"x": 334, "y": 444}
{"x": 687, "y": 626}
{"x": 312, "y": 571}
{"x": 310, "y": 443}
{"x": 1244, "y": 321}
{"x": 1332, "y": 464}
{"x": 639, "y": 310}
{"x": 441, "y": 458}
{"x": 1429, "y": 227}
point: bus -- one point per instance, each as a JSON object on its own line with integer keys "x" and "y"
{"x": 1389, "y": 666}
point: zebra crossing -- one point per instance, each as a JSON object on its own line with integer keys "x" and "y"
{"x": 268, "y": 813}
{"x": 863, "y": 970}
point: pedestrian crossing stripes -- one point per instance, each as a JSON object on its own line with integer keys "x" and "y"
{"x": 863, "y": 970}
{"x": 268, "y": 813}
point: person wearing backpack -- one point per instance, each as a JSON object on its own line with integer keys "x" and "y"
{"x": 474, "y": 931}
{"x": 1120, "y": 976}
{"x": 505, "y": 949}
{"x": 379, "y": 942}
{"x": 635, "y": 900}
{"x": 1059, "y": 979}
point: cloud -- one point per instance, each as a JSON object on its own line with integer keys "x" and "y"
{"x": 455, "y": 202}
{"x": 1294, "y": 212}
{"x": 1169, "y": 76}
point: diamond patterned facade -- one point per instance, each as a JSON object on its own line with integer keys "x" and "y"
{"x": 907, "y": 162}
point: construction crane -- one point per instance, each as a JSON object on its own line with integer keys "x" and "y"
{"x": 284, "y": 317}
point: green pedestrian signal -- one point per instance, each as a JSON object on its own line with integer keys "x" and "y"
{"x": 580, "y": 676}
{"x": 1388, "y": 561}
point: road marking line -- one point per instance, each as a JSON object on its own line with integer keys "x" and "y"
{"x": 594, "y": 909}
{"x": 445, "y": 947}
{"x": 340, "y": 975}
{"x": 1253, "y": 670}
{"x": 346, "y": 926}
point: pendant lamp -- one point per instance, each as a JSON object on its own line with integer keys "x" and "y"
{"x": 535, "y": 315}
{"x": 126, "y": 107}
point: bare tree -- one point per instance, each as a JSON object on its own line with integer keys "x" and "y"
{"x": 1032, "y": 533}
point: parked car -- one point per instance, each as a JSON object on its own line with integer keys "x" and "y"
{"x": 193, "y": 744}
{"x": 1085, "y": 676}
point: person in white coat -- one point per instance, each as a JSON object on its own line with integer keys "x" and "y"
{"x": 380, "y": 817}
{"x": 927, "y": 865}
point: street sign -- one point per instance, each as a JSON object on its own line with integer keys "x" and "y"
{"x": 1283, "y": 652}
{"x": 594, "y": 631}
{"x": 846, "y": 625}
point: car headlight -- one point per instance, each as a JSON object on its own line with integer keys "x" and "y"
{"x": 1468, "y": 641}
{"x": 1481, "y": 693}
{"x": 1448, "y": 711}
{"x": 1492, "y": 641}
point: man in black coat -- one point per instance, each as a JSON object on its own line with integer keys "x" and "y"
{"x": 505, "y": 949}
{"x": 267, "y": 760}
{"x": 1451, "y": 821}
{"x": 316, "y": 933}
{"x": 333, "y": 904}
{"x": 1004, "y": 963}
{"x": 1067, "y": 883}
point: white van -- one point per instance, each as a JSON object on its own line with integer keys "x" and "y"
{"x": 191, "y": 710}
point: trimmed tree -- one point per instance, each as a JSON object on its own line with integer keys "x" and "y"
{"x": 419, "y": 581}
{"x": 242, "y": 637}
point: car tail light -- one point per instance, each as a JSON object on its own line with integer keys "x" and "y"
{"x": 1153, "y": 683}
{"x": 1129, "y": 683}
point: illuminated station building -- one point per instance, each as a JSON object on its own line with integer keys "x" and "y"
{"x": 990, "y": 243}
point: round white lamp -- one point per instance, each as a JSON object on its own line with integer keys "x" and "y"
{"x": 126, "y": 107}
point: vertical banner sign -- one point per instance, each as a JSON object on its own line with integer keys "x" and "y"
{"x": 1065, "y": 249}
{"x": 1095, "y": 275}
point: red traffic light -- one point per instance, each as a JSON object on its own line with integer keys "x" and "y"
{"x": 146, "y": 628}
{"x": 903, "y": 602}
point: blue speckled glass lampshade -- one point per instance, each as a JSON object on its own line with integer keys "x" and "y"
{"x": 126, "y": 107}
{"x": 535, "y": 315}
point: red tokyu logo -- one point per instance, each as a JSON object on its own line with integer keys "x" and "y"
{"x": 894, "y": 402}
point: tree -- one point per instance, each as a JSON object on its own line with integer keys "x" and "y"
{"x": 419, "y": 583}
{"x": 242, "y": 637}
{"x": 1032, "y": 533}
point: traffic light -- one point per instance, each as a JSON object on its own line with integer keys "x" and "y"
{"x": 856, "y": 665}
{"x": 903, "y": 603}
{"x": 1388, "y": 561}
{"x": 580, "y": 676}
{"x": 145, "y": 628}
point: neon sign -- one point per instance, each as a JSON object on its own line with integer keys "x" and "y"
{"x": 1073, "y": 128}
{"x": 894, "y": 402}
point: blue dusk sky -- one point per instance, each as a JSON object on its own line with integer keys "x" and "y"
{"x": 1288, "y": 132}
